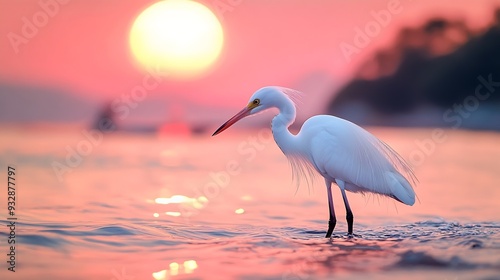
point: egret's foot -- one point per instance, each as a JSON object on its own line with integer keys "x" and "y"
{"x": 352, "y": 235}
{"x": 335, "y": 236}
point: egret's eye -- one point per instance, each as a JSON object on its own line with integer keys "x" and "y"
{"x": 256, "y": 102}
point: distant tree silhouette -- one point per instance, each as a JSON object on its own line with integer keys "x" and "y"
{"x": 436, "y": 64}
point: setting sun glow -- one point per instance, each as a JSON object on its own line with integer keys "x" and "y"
{"x": 181, "y": 37}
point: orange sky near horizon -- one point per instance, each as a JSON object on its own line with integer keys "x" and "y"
{"x": 83, "y": 46}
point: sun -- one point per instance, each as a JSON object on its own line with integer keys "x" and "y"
{"x": 182, "y": 37}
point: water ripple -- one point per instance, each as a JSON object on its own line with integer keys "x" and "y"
{"x": 436, "y": 244}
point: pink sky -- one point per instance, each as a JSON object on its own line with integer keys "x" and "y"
{"x": 83, "y": 48}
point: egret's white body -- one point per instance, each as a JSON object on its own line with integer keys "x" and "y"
{"x": 339, "y": 150}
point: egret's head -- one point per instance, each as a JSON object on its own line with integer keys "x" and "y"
{"x": 263, "y": 99}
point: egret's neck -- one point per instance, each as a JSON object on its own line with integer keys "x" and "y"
{"x": 280, "y": 124}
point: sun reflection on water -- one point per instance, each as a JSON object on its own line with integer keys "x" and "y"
{"x": 197, "y": 203}
{"x": 173, "y": 214}
{"x": 174, "y": 199}
{"x": 175, "y": 268}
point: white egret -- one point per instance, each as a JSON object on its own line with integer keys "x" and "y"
{"x": 339, "y": 150}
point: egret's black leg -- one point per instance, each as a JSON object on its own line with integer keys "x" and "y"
{"x": 349, "y": 216}
{"x": 333, "y": 220}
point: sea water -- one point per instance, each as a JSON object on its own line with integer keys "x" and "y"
{"x": 147, "y": 206}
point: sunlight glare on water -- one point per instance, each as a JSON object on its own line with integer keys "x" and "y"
{"x": 149, "y": 207}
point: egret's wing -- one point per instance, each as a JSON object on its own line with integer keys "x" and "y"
{"x": 345, "y": 151}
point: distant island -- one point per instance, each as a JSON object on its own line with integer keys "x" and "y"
{"x": 439, "y": 74}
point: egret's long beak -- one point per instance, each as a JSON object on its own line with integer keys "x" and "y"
{"x": 243, "y": 113}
